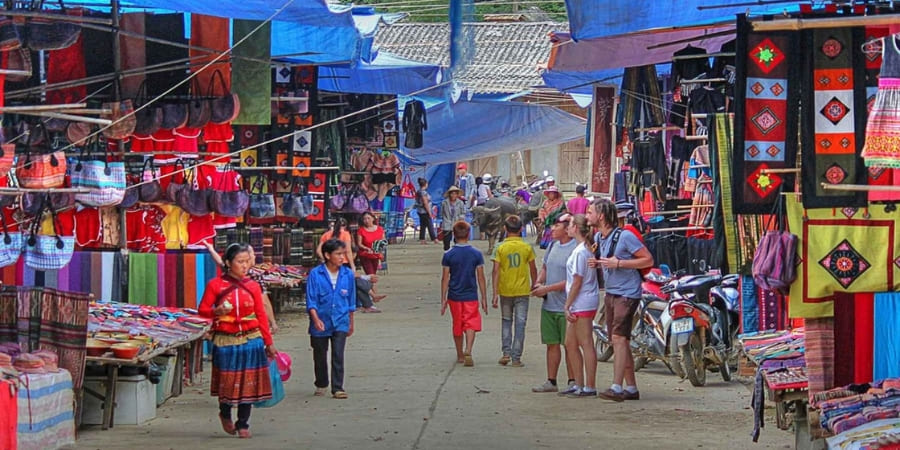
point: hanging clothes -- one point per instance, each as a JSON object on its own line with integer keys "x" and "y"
{"x": 169, "y": 27}
{"x": 414, "y": 123}
{"x": 685, "y": 69}
{"x": 649, "y": 167}
{"x": 882, "y": 147}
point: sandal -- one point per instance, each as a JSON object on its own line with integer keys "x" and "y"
{"x": 339, "y": 395}
{"x": 244, "y": 433}
{"x": 320, "y": 392}
{"x": 469, "y": 362}
{"x": 227, "y": 425}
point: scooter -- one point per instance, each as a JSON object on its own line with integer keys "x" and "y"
{"x": 703, "y": 325}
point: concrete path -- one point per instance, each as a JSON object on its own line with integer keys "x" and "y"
{"x": 406, "y": 392}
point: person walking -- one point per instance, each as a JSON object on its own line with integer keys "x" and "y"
{"x": 578, "y": 204}
{"x": 331, "y": 302}
{"x": 582, "y": 300}
{"x": 551, "y": 285}
{"x": 461, "y": 282}
{"x": 423, "y": 209}
{"x": 621, "y": 255}
{"x": 512, "y": 278}
{"x": 453, "y": 209}
{"x": 367, "y": 236}
{"x": 241, "y": 340}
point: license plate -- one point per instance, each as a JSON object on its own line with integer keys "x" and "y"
{"x": 683, "y": 326}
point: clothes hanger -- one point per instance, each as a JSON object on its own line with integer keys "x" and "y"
{"x": 874, "y": 46}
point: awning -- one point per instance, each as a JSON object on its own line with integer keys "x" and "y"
{"x": 387, "y": 74}
{"x": 576, "y": 63}
{"x": 477, "y": 129}
{"x": 590, "y": 19}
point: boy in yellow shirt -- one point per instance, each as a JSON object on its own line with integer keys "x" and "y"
{"x": 513, "y": 275}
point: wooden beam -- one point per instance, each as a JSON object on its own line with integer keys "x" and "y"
{"x": 829, "y": 22}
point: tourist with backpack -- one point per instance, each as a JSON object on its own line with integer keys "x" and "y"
{"x": 620, "y": 255}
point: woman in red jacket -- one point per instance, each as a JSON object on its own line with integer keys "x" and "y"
{"x": 241, "y": 340}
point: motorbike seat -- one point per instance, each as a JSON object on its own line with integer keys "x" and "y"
{"x": 698, "y": 283}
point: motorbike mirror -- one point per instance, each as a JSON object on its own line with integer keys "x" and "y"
{"x": 664, "y": 268}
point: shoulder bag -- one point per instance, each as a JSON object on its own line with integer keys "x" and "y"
{"x": 104, "y": 179}
{"x": 48, "y": 252}
{"x": 35, "y": 170}
{"x": 150, "y": 190}
{"x": 10, "y": 245}
{"x": 226, "y": 108}
{"x": 193, "y": 199}
{"x": 174, "y": 186}
{"x": 227, "y": 201}
{"x": 198, "y": 107}
{"x": 262, "y": 204}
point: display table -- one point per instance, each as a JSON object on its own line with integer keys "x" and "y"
{"x": 46, "y": 415}
{"x": 170, "y": 331}
{"x": 282, "y": 282}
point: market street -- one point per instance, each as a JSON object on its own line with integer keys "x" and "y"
{"x": 407, "y": 392}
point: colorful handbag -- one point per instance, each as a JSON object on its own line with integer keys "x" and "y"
{"x": 122, "y": 117}
{"x": 262, "y": 205}
{"x": 105, "y": 180}
{"x": 407, "y": 189}
{"x": 339, "y": 200}
{"x": 229, "y": 203}
{"x": 358, "y": 202}
{"x": 299, "y": 205}
{"x": 40, "y": 171}
{"x": 10, "y": 245}
{"x": 48, "y": 252}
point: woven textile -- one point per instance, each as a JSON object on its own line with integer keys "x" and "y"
{"x": 47, "y": 319}
{"x": 820, "y": 354}
{"x": 721, "y": 150}
{"x": 878, "y": 176}
{"x": 853, "y": 337}
{"x": 832, "y": 131}
{"x": 886, "y": 332}
{"x": 251, "y": 79}
{"x": 240, "y": 373}
{"x": 749, "y": 306}
{"x": 767, "y": 68}
{"x": 99, "y": 273}
{"x": 46, "y": 416}
{"x": 849, "y": 253}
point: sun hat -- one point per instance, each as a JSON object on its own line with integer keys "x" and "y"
{"x": 452, "y": 189}
{"x": 550, "y": 179}
{"x": 551, "y": 189}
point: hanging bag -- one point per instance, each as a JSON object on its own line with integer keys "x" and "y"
{"x": 35, "y": 170}
{"x": 339, "y": 200}
{"x": 10, "y": 245}
{"x": 148, "y": 119}
{"x": 229, "y": 201}
{"x": 122, "y": 117}
{"x": 105, "y": 180}
{"x": 193, "y": 199}
{"x": 226, "y": 108}
{"x": 358, "y": 202}
{"x": 7, "y": 156}
{"x": 131, "y": 190}
{"x": 297, "y": 204}
{"x": 9, "y": 35}
{"x": 262, "y": 205}
{"x": 42, "y": 33}
{"x": 407, "y": 189}
{"x": 775, "y": 261}
{"x": 174, "y": 187}
{"x": 48, "y": 252}
{"x": 150, "y": 191}
{"x": 198, "y": 107}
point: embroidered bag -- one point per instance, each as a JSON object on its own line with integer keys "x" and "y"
{"x": 193, "y": 199}
{"x": 48, "y": 252}
{"x": 40, "y": 171}
{"x": 174, "y": 187}
{"x": 122, "y": 117}
{"x": 104, "y": 179}
{"x": 775, "y": 261}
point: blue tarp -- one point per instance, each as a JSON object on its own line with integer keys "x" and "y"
{"x": 386, "y": 74}
{"x": 475, "y": 129}
{"x": 600, "y": 18}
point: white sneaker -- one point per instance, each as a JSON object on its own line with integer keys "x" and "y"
{"x": 572, "y": 388}
{"x": 546, "y": 387}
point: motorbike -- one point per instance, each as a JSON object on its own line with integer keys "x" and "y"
{"x": 703, "y": 325}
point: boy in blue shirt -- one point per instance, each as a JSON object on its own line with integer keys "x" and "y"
{"x": 462, "y": 280}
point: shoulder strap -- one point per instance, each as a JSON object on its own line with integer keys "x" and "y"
{"x": 615, "y": 242}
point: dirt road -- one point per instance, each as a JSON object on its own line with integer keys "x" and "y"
{"x": 407, "y": 392}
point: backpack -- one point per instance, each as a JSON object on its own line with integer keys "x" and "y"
{"x": 601, "y": 281}
{"x": 775, "y": 261}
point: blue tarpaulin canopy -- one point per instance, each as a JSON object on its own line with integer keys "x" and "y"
{"x": 476, "y": 129}
{"x": 386, "y": 74}
{"x": 601, "y": 18}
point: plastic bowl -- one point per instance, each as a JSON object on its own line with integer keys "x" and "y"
{"x": 96, "y": 347}
{"x": 125, "y": 351}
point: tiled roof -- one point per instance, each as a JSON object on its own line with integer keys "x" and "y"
{"x": 507, "y": 55}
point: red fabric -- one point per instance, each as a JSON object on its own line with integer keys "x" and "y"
{"x": 9, "y": 411}
{"x": 164, "y": 141}
{"x": 66, "y": 65}
{"x": 200, "y": 229}
{"x": 133, "y": 52}
{"x": 466, "y": 316}
{"x": 212, "y": 33}
{"x": 87, "y": 228}
{"x": 844, "y": 348}
{"x": 244, "y": 304}
{"x": 141, "y": 143}
{"x": 186, "y": 141}
{"x": 144, "y": 229}
{"x": 864, "y": 306}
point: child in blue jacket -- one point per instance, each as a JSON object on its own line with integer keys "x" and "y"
{"x": 331, "y": 301}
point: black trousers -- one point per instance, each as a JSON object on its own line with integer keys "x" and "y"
{"x": 320, "y": 360}
{"x": 362, "y": 293}
{"x": 243, "y": 414}
{"x": 426, "y": 223}
{"x": 448, "y": 238}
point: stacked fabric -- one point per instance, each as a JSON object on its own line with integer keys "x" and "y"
{"x": 28, "y": 363}
{"x": 50, "y": 358}
{"x": 845, "y": 408}
{"x": 880, "y": 434}
{"x": 279, "y": 275}
{"x": 164, "y": 326}
{"x": 775, "y": 350}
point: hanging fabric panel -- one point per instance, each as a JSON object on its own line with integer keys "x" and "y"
{"x": 886, "y": 357}
{"x": 210, "y": 32}
{"x": 833, "y": 128}
{"x": 768, "y": 76}
{"x": 65, "y": 65}
{"x": 133, "y": 52}
{"x": 169, "y": 27}
{"x": 252, "y": 80}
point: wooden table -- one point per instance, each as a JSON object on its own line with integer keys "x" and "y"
{"x": 143, "y": 359}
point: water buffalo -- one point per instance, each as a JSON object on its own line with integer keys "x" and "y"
{"x": 489, "y": 217}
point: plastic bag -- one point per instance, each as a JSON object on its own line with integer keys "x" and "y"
{"x": 277, "y": 387}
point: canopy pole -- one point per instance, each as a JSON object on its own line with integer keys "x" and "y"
{"x": 58, "y": 17}
{"x": 831, "y": 22}
{"x": 859, "y": 188}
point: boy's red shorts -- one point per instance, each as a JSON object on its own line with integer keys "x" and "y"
{"x": 466, "y": 316}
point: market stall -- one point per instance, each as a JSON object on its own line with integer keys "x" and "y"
{"x": 124, "y": 335}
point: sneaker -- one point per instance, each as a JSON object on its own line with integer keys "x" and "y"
{"x": 568, "y": 390}
{"x": 517, "y": 363}
{"x": 504, "y": 360}
{"x": 581, "y": 393}
{"x": 610, "y": 394}
{"x": 546, "y": 387}
{"x": 320, "y": 391}
{"x": 371, "y": 309}
{"x": 636, "y": 395}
